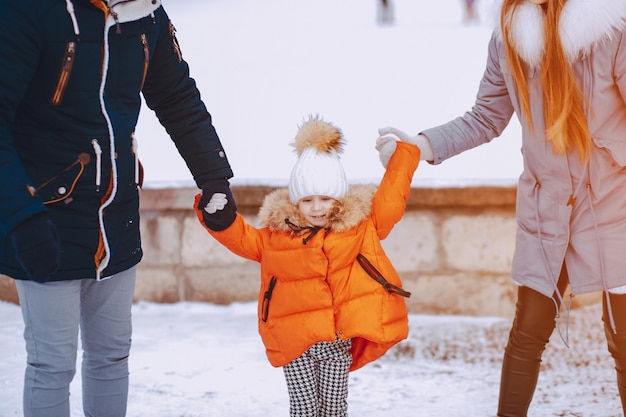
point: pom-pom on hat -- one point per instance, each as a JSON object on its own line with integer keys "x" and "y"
{"x": 318, "y": 170}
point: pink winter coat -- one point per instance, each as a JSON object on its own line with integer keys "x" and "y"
{"x": 588, "y": 235}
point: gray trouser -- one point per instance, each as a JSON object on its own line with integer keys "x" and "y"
{"x": 317, "y": 381}
{"x": 53, "y": 313}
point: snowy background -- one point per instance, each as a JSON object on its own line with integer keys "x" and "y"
{"x": 263, "y": 67}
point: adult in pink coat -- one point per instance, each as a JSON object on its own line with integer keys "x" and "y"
{"x": 560, "y": 66}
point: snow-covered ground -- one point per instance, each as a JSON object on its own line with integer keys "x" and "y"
{"x": 203, "y": 360}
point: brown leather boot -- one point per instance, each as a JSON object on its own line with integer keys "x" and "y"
{"x": 617, "y": 341}
{"x": 517, "y": 386}
{"x": 530, "y": 333}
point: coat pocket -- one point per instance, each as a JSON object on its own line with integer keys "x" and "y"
{"x": 616, "y": 147}
{"x": 61, "y": 185}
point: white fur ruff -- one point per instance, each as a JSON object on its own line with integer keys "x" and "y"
{"x": 584, "y": 24}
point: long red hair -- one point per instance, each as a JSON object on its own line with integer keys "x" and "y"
{"x": 563, "y": 100}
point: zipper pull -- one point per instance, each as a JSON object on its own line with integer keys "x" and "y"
{"x": 118, "y": 29}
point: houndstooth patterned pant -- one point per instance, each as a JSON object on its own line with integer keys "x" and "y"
{"x": 317, "y": 381}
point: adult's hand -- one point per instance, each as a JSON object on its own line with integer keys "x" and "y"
{"x": 37, "y": 247}
{"x": 218, "y": 205}
{"x": 386, "y": 144}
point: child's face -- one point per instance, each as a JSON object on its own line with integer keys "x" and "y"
{"x": 315, "y": 209}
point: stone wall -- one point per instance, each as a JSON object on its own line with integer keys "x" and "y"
{"x": 453, "y": 250}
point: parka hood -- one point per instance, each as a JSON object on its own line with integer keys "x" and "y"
{"x": 127, "y": 11}
{"x": 354, "y": 207}
{"x": 583, "y": 25}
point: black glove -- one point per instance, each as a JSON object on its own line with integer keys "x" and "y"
{"x": 37, "y": 247}
{"x": 221, "y": 219}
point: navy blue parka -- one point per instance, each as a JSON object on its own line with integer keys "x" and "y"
{"x": 71, "y": 78}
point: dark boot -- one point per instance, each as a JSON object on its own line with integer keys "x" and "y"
{"x": 617, "y": 341}
{"x": 530, "y": 333}
{"x": 517, "y": 386}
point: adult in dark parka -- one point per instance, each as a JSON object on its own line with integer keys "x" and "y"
{"x": 70, "y": 82}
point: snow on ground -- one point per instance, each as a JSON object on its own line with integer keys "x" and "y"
{"x": 203, "y": 360}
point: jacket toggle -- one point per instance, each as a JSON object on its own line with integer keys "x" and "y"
{"x": 98, "y": 151}
{"x": 70, "y": 10}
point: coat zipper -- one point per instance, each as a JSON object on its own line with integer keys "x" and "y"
{"x": 378, "y": 277}
{"x": 146, "y": 58}
{"x": 175, "y": 42}
{"x": 267, "y": 296}
{"x": 64, "y": 75}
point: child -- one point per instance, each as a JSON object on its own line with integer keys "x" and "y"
{"x": 330, "y": 300}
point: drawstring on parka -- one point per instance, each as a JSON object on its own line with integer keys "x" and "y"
{"x": 605, "y": 285}
{"x": 554, "y": 279}
{"x": 571, "y": 201}
{"x": 362, "y": 260}
{"x": 98, "y": 151}
{"x": 298, "y": 229}
{"x": 602, "y": 271}
{"x": 70, "y": 10}
{"x": 135, "y": 147}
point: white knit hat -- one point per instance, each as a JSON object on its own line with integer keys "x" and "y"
{"x": 318, "y": 170}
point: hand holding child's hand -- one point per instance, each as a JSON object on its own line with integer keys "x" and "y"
{"x": 386, "y": 144}
{"x": 217, "y": 202}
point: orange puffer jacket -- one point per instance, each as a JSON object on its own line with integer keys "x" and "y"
{"x": 313, "y": 289}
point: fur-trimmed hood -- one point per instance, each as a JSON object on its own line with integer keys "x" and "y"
{"x": 348, "y": 212}
{"x": 583, "y": 25}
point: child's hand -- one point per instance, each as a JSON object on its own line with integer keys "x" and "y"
{"x": 388, "y": 136}
{"x": 386, "y": 146}
{"x": 217, "y": 202}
